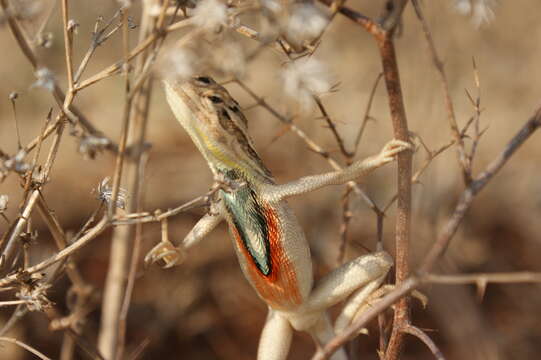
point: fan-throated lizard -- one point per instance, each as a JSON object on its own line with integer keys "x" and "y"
{"x": 269, "y": 242}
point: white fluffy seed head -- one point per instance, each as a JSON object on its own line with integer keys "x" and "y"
{"x": 463, "y": 7}
{"x": 209, "y": 14}
{"x": 306, "y": 23}
{"x": 44, "y": 79}
{"x": 179, "y": 64}
{"x": 305, "y": 78}
{"x": 481, "y": 11}
{"x": 229, "y": 58}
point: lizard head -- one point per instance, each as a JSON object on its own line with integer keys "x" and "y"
{"x": 216, "y": 124}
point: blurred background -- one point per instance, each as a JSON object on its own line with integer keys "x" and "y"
{"x": 205, "y": 309}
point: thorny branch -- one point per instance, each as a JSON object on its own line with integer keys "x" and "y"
{"x": 440, "y": 68}
{"x": 423, "y": 275}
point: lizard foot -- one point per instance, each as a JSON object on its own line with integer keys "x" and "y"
{"x": 392, "y": 148}
{"x": 167, "y": 252}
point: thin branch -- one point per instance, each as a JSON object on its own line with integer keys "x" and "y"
{"x": 367, "y": 116}
{"x": 438, "y": 248}
{"x": 58, "y": 94}
{"x": 421, "y": 335}
{"x": 475, "y": 187}
{"x": 438, "y": 64}
{"x": 67, "y": 44}
{"x": 158, "y": 215}
{"x": 25, "y": 346}
{"x": 108, "y": 337}
{"x": 61, "y": 255}
{"x": 498, "y": 278}
{"x": 311, "y": 144}
{"x": 332, "y": 127}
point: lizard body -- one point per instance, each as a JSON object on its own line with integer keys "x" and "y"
{"x": 270, "y": 244}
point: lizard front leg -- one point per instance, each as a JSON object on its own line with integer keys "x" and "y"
{"x": 358, "y": 169}
{"x": 171, "y": 255}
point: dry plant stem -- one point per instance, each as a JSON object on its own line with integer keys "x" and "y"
{"x": 98, "y": 38}
{"x": 346, "y": 213}
{"x": 11, "y": 245}
{"x": 495, "y": 278}
{"x": 311, "y": 144}
{"x": 10, "y": 248}
{"x": 61, "y": 255}
{"x": 158, "y": 215}
{"x": 17, "y": 314}
{"x": 431, "y": 155}
{"x": 383, "y": 34}
{"x": 135, "y": 169}
{"x": 89, "y": 348}
{"x": 60, "y": 238}
{"x": 142, "y": 46}
{"x": 477, "y": 184}
{"x": 366, "y": 116}
{"x": 437, "y": 250}
{"x": 25, "y": 346}
{"x": 48, "y": 131}
{"x": 58, "y": 94}
{"x": 349, "y": 333}
{"x": 67, "y": 45}
{"x": 403, "y": 212}
{"x": 121, "y": 239}
{"x": 332, "y": 127}
{"x": 438, "y": 64}
{"x": 421, "y": 335}
{"x": 12, "y": 302}
{"x": 392, "y": 17}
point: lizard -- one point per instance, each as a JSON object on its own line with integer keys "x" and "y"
{"x": 270, "y": 244}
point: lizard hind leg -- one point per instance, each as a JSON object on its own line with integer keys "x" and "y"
{"x": 356, "y": 279}
{"x": 275, "y": 338}
{"x": 322, "y": 332}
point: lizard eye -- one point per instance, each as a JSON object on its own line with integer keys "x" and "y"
{"x": 204, "y": 80}
{"x": 216, "y": 99}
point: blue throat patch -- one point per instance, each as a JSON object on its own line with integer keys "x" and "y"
{"x": 249, "y": 220}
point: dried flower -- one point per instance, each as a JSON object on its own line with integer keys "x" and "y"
{"x": 124, "y": 4}
{"x": 179, "y": 63}
{"x": 45, "y": 79}
{"x": 44, "y": 39}
{"x": 481, "y": 11}
{"x": 105, "y": 194}
{"x": 73, "y": 26}
{"x": 210, "y": 14}
{"x": 272, "y": 5}
{"x": 305, "y": 24}
{"x": 4, "y": 199}
{"x": 16, "y": 163}
{"x": 90, "y": 145}
{"x": 229, "y": 57}
{"x": 35, "y": 296}
{"x": 305, "y": 78}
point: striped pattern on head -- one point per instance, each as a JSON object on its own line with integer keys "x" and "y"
{"x": 216, "y": 124}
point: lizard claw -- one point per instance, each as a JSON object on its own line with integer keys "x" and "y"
{"x": 167, "y": 252}
{"x": 394, "y": 147}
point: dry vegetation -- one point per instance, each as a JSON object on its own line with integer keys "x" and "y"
{"x": 87, "y": 144}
